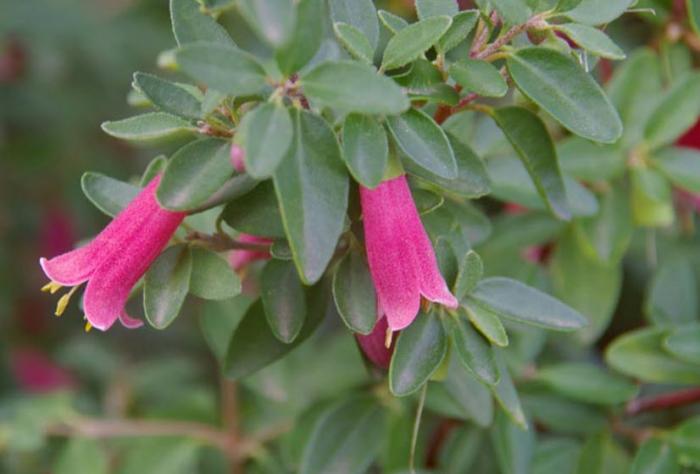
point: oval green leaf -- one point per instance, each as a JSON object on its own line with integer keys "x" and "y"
{"x": 212, "y": 277}
{"x": 354, "y": 295}
{"x": 265, "y": 135}
{"x": 168, "y": 96}
{"x": 166, "y": 284}
{"x": 410, "y": 42}
{"x": 479, "y": 76}
{"x": 283, "y": 299}
{"x": 109, "y": 195}
{"x": 365, "y": 149}
{"x": 152, "y": 127}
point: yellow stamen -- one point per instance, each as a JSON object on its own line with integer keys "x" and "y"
{"x": 387, "y": 339}
{"x": 88, "y": 326}
{"x": 63, "y": 301}
{"x": 52, "y": 287}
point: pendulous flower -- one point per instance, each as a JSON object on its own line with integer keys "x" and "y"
{"x": 401, "y": 257}
{"x": 115, "y": 260}
{"x": 241, "y": 257}
{"x": 374, "y": 345}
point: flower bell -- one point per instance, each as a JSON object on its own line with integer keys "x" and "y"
{"x": 115, "y": 260}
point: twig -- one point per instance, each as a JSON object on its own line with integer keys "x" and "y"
{"x": 416, "y": 429}
{"x": 663, "y": 401}
{"x": 483, "y": 33}
{"x": 506, "y": 37}
{"x": 221, "y": 242}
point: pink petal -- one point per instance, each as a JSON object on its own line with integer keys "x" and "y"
{"x": 76, "y": 266}
{"x": 109, "y": 287}
{"x": 237, "y": 155}
{"x": 241, "y": 258}
{"x": 129, "y": 322}
{"x": 390, "y": 265}
{"x": 373, "y": 345}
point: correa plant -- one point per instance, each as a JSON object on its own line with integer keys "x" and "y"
{"x": 465, "y": 199}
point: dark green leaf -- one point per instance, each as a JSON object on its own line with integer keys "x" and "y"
{"x": 168, "y": 96}
{"x": 283, "y": 300}
{"x": 598, "y": 12}
{"x": 410, "y": 42}
{"x": 693, "y": 8}
{"x": 345, "y": 439}
{"x": 593, "y": 40}
{"x": 513, "y": 12}
{"x": 424, "y": 142}
{"x": 166, "y": 284}
{"x": 462, "y": 24}
{"x": 680, "y": 165}
{"x": 365, "y": 149}
{"x": 475, "y": 353}
{"x": 507, "y": 396}
{"x": 480, "y": 77}
{"x": 191, "y": 24}
{"x": 556, "y": 456}
{"x": 195, "y": 173}
{"x": 655, "y": 457}
{"x": 601, "y": 455}
{"x": 684, "y": 343}
{"x": 350, "y": 86}
{"x": 107, "y": 194}
{"x": 353, "y": 291}
{"x": 640, "y": 354}
{"x": 514, "y": 446}
{"x": 652, "y": 200}
{"x": 354, "y": 41}
{"x": 81, "y": 456}
{"x": 428, "y": 8}
{"x": 487, "y": 323}
{"x": 590, "y": 161}
{"x": 265, "y": 134}
{"x": 515, "y": 300}
{"x": 420, "y": 350}
{"x": 587, "y": 383}
{"x": 212, "y": 277}
{"x": 224, "y": 68}
{"x": 306, "y": 36}
{"x": 312, "y": 189}
{"x": 675, "y": 113}
{"x": 256, "y": 212}
{"x": 272, "y": 20}
{"x": 672, "y": 297}
{"x": 392, "y": 22}
{"x": 154, "y": 168}
{"x": 359, "y": 13}
{"x": 219, "y": 319}
{"x": 559, "y": 85}
{"x": 152, "y": 127}
{"x": 471, "y": 269}
{"x": 685, "y": 440}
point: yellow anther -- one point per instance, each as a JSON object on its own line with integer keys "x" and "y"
{"x": 88, "y": 326}
{"x": 387, "y": 339}
{"x": 52, "y": 287}
{"x": 63, "y": 301}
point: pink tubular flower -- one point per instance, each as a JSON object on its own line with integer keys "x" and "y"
{"x": 237, "y": 155}
{"x": 401, "y": 258}
{"x": 241, "y": 258}
{"x": 36, "y": 373}
{"x": 373, "y": 345}
{"x": 115, "y": 260}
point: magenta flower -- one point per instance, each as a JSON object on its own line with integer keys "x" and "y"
{"x": 242, "y": 257}
{"x": 237, "y": 155}
{"x": 401, "y": 258}
{"x": 115, "y": 260}
{"x": 374, "y": 345}
{"x": 36, "y": 373}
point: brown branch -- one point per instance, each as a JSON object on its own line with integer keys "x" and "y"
{"x": 664, "y": 401}
{"x": 220, "y": 242}
{"x": 506, "y": 37}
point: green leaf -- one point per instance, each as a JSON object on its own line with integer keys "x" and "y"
{"x": 424, "y": 142}
{"x": 161, "y": 455}
{"x": 428, "y": 8}
{"x": 655, "y": 457}
{"x": 471, "y": 269}
{"x": 359, "y": 13}
{"x": 507, "y": 396}
{"x": 684, "y": 343}
{"x": 462, "y": 24}
{"x": 109, "y": 195}
{"x": 557, "y": 84}
{"x": 195, "y": 172}
{"x": 392, "y": 22}
{"x": 306, "y": 37}
{"x": 191, "y": 24}
{"x": 212, "y": 277}
{"x": 81, "y": 456}
{"x": 556, "y": 456}
{"x": 587, "y": 383}
{"x": 681, "y": 165}
{"x": 168, "y": 96}
{"x": 420, "y": 350}
{"x": 640, "y": 354}
{"x": 224, "y": 68}
{"x": 346, "y": 439}
{"x": 593, "y": 40}
{"x": 256, "y": 212}
{"x": 219, "y": 320}
{"x": 166, "y": 284}
{"x": 479, "y": 76}
{"x": 598, "y": 12}
{"x": 590, "y": 161}
{"x": 675, "y": 113}
{"x": 152, "y": 127}
{"x": 154, "y": 168}
{"x": 685, "y": 442}
{"x": 530, "y": 139}
{"x": 693, "y": 9}
{"x": 514, "y": 446}
{"x": 272, "y": 20}
{"x": 312, "y": 190}
{"x": 350, "y": 86}
{"x": 672, "y": 297}
{"x": 265, "y": 134}
{"x": 410, "y": 42}
{"x": 365, "y": 149}
{"x": 354, "y": 41}
{"x": 473, "y": 350}
{"x": 472, "y": 181}
{"x": 354, "y": 295}
{"x": 253, "y": 346}
{"x": 564, "y": 416}
{"x": 487, "y": 323}
{"x": 512, "y": 299}
{"x": 652, "y": 200}
{"x": 601, "y": 455}
{"x": 514, "y": 12}
{"x": 283, "y": 300}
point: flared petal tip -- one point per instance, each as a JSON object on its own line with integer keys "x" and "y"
{"x": 129, "y": 322}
